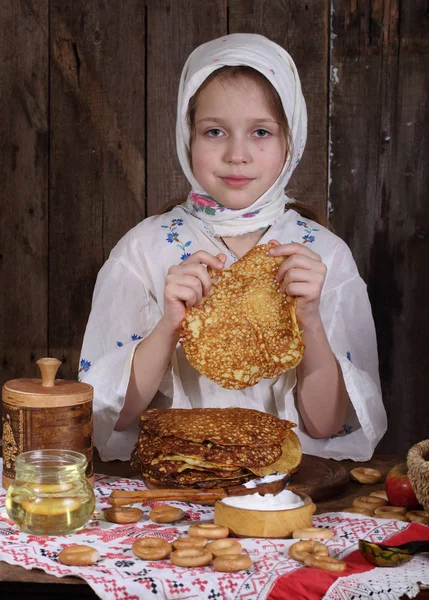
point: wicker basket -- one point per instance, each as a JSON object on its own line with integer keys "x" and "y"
{"x": 418, "y": 471}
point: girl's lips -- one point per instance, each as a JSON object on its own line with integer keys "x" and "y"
{"x": 236, "y": 182}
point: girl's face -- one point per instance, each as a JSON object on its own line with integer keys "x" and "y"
{"x": 239, "y": 148}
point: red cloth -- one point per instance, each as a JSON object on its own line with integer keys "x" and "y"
{"x": 312, "y": 584}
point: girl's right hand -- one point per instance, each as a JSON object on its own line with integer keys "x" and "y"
{"x": 186, "y": 284}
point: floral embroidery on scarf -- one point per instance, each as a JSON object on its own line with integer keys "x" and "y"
{"x": 249, "y": 215}
{"x": 84, "y": 366}
{"x": 173, "y": 236}
{"x": 205, "y": 204}
{"x": 134, "y": 337}
{"x": 307, "y": 238}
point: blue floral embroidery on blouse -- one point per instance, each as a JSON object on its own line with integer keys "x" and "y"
{"x": 84, "y": 366}
{"x": 134, "y": 337}
{"x": 345, "y": 430}
{"x": 307, "y": 238}
{"x": 349, "y": 356}
{"x": 173, "y": 236}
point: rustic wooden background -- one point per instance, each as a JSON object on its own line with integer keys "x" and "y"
{"x": 87, "y": 149}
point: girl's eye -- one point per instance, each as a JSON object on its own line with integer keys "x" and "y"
{"x": 262, "y": 133}
{"x": 214, "y": 132}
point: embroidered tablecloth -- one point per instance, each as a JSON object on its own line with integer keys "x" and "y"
{"x": 119, "y": 575}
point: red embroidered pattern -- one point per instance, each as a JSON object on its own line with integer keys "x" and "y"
{"x": 120, "y": 575}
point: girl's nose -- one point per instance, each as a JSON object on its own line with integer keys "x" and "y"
{"x": 237, "y": 152}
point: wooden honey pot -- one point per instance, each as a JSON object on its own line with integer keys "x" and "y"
{"x": 46, "y": 413}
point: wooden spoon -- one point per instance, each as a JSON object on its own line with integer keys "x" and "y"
{"x": 120, "y": 498}
{"x": 209, "y": 496}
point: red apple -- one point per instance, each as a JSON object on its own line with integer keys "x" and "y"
{"x": 398, "y": 488}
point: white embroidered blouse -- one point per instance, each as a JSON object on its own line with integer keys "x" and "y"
{"x": 128, "y": 302}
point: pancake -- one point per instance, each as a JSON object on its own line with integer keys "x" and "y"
{"x": 223, "y": 426}
{"x": 246, "y": 330}
{"x": 213, "y": 447}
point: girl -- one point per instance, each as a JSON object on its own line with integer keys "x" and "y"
{"x": 241, "y": 131}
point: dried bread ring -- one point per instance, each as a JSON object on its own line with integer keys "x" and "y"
{"x": 380, "y": 494}
{"x": 327, "y": 563}
{"x": 398, "y": 510}
{"x": 209, "y": 531}
{"x": 299, "y": 550}
{"x": 360, "y": 511}
{"x": 390, "y": 515}
{"x": 189, "y": 542}
{"x": 151, "y": 548}
{"x": 229, "y": 563}
{"x": 166, "y": 514}
{"x": 310, "y": 533}
{"x": 123, "y": 514}
{"x": 79, "y": 555}
{"x": 224, "y": 546}
{"x": 366, "y": 475}
{"x": 369, "y": 502}
{"x": 418, "y": 516}
{"x": 191, "y": 557}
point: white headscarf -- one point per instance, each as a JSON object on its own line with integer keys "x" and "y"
{"x": 277, "y": 66}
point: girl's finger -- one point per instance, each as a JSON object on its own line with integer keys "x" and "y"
{"x": 187, "y": 295}
{"x": 296, "y": 274}
{"x": 300, "y": 289}
{"x": 185, "y": 281}
{"x": 302, "y": 263}
{"x": 293, "y": 248}
{"x": 205, "y": 258}
{"x": 196, "y": 270}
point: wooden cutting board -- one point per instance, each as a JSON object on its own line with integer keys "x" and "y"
{"x": 320, "y": 478}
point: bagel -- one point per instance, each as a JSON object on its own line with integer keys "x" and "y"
{"x": 151, "y": 548}
{"x": 166, "y": 514}
{"x": 327, "y": 563}
{"x": 366, "y": 475}
{"x": 418, "y": 516}
{"x": 224, "y": 546}
{"x": 299, "y": 550}
{"x": 191, "y": 557}
{"x": 369, "y": 502}
{"x": 229, "y": 563}
{"x": 209, "y": 531}
{"x": 189, "y": 542}
{"x": 310, "y": 533}
{"x": 79, "y": 556}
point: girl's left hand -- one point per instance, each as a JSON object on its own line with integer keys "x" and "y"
{"x": 301, "y": 274}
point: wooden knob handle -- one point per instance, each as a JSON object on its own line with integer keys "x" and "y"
{"x": 48, "y": 369}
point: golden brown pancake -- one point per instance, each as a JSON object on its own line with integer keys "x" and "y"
{"x": 246, "y": 330}
{"x": 213, "y": 447}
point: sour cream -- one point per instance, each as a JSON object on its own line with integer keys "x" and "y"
{"x": 267, "y": 479}
{"x": 285, "y": 500}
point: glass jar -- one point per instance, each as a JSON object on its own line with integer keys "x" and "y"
{"x": 50, "y": 494}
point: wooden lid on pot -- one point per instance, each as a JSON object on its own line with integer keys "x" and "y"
{"x": 46, "y": 392}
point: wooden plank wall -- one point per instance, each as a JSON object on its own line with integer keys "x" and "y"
{"x": 87, "y": 98}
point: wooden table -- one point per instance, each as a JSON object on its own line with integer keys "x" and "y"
{"x": 17, "y": 582}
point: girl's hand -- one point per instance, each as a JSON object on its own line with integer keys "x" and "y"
{"x": 186, "y": 284}
{"x": 302, "y": 274}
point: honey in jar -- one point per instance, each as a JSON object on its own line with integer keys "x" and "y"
{"x": 50, "y": 494}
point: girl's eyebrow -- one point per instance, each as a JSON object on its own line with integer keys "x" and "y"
{"x": 219, "y": 120}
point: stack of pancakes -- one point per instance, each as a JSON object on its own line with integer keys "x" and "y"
{"x": 213, "y": 447}
{"x": 246, "y": 330}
